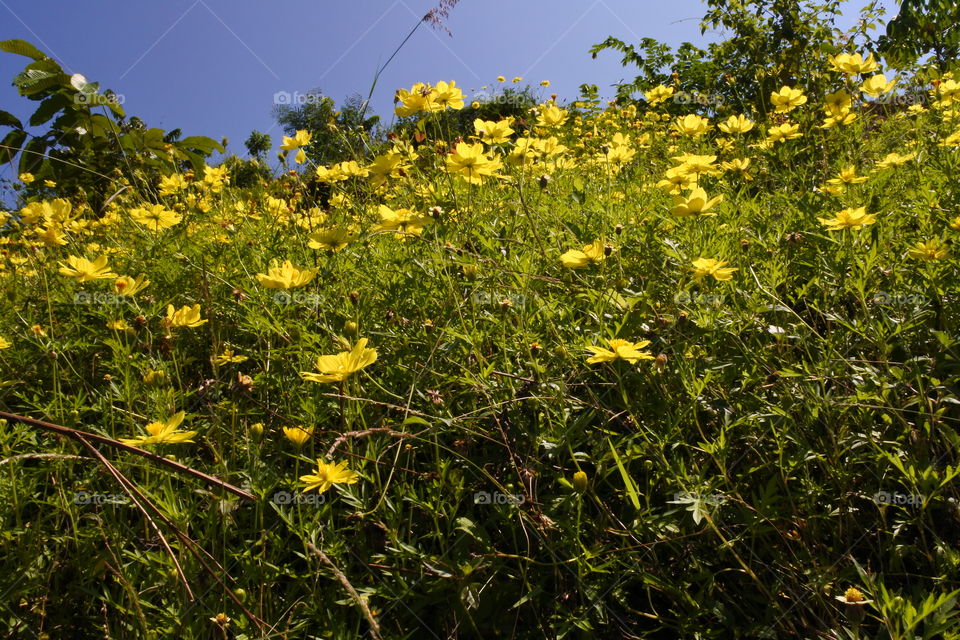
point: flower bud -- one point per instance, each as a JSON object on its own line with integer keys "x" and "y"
{"x": 580, "y": 482}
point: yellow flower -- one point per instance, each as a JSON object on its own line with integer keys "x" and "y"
{"x": 285, "y": 276}
{"x": 328, "y": 475}
{"x": 691, "y": 125}
{"x": 127, "y": 286}
{"x": 677, "y": 179}
{"x": 338, "y": 367}
{"x": 4, "y": 343}
{"x": 470, "y": 163}
{"x": 895, "y": 160}
{"x": 332, "y": 239}
{"x": 154, "y": 378}
{"x": 388, "y": 165}
{"x": 215, "y": 178}
{"x": 849, "y": 219}
{"x": 49, "y": 236}
{"x": 171, "y": 184}
{"x": 740, "y": 165}
{"x": 163, "y": 432}
{"x": 26, "y": 178}
{"x": 155, "y": 217}
{"x": 501, "y": 79}
{"x": 351, "y": 169}
{"x": 847, "y": 176}
{"x": 298, "y": 435}
{"x": 951, "y": 140}
{"x": 228, "y": 357}
{"x": 620, "y": 350}
{"x": 703, "y": 267}
{"x": 593, "y": 253}
{"x": 787, "y": 99}
{"x": 300, "y": 139}
{"x": 853, "y": 596}
{"x": 658, "y": 94}
{"x": 119, "y": 325}
{"x": 84, "y": 270}
{"x": 695, "y": 165}
{"x": 928, "y": 251}
{"x": 949, "y": 91}
{"x": 736, "y": 124}
{"x": 843, "y": 119}
{"x": 184, "y": 317}
{"x": 876, "y": 85}
{"x": 402, "y": 220}
{"x": 853, "y": 64}
{"x": 493, "y": 132}
{"x": 419, "y": 98}
{"x": 447, "y": 94}
{"x": 551, "y": 116}
{"x": 544, "y": 83}
{"x": 694, "y": 204}
{"x": 785, "y": 131}
{"x": 838, "y": 103}
{"x": 955, "y": 224}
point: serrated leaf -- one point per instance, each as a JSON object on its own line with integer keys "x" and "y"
{"x": 22, "y": 48}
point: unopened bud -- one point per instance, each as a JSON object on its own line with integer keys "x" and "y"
{"x": 580, "y": 482}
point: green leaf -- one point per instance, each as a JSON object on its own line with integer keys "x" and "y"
{"x": 22, "y": 48}
{"x": 48, "y": 108}
{"x": 627, "y": 481}
{"x": 33, "y": 155}
{"x": 202, "y": 144}
{"x": 34, "y": 81}
{"x": 9, "y": 120}
{"x": 11, "y": 145}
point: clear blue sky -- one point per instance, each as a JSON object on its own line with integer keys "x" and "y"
{"x": 212, "y": 67}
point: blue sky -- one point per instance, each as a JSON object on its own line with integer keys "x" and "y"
{"x": 212, "y": 67}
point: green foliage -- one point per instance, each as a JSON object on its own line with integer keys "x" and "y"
{"x": 764, "y": 441}
{"x": 346, "y": 134}
{"x": 767, "y": 44}
{"x": 89, "y": 142}
{"x": 257, "y": 144}
{"x": 923, "y": 27}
